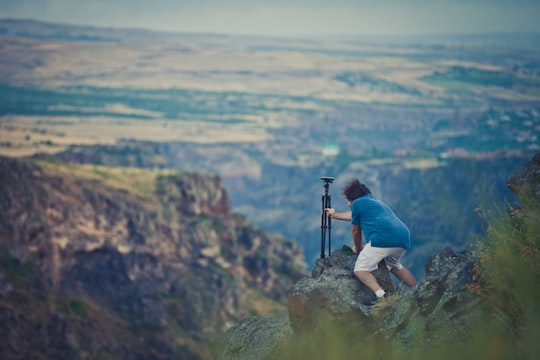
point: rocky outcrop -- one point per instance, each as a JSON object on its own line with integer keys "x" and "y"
{"x": 333, "y": 293}
{"x": 526, "y": 182}
{"x": 104, "y": 265}
{"x": 439, "y": 304}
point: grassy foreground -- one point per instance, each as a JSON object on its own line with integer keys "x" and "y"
{"x": 510, "y": 263}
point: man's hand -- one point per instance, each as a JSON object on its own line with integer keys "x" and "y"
{"x": 346, "y": 216}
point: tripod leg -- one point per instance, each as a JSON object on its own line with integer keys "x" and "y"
{"x": 323, "y": 226}
{"x": 329, "y": 205}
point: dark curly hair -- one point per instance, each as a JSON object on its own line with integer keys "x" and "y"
{"x": 354, "y": 190}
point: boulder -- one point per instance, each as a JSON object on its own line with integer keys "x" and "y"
{"x": 526, "y": 182}
{"x": 255, "y": 338}
{"x": 440, "y": 304}
{"x": 333, "y": 293}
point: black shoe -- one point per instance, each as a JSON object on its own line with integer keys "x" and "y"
{"x": 373, "y": 301}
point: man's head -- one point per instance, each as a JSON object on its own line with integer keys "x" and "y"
{"x": 354, "y": 190}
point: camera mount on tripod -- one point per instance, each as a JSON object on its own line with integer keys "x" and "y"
{"x": 328, "y": 179}
{"x": 326, "y": 220}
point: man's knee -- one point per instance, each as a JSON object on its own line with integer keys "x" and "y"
{"x": 404, "y": 275}
{"x": 361, "y": 274}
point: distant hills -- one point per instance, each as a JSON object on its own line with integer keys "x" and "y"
{"x": 419, "y": 120}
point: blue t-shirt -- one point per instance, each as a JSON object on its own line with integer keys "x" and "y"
{"x": 379, "y": 224}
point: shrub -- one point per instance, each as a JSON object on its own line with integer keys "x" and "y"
{"x": 510, "y": 270}
{"x": 78, "y": 306}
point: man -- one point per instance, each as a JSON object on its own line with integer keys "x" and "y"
{"x": 386, "y": 235}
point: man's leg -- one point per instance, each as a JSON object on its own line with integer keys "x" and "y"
{"x": 368, "y": 279}
{"x": 368, "y": 261}
{"x": 404, "y": 276}
{"x": 393, "y": 262}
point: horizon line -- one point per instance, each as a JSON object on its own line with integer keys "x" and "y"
{"x": 307, "y": 36}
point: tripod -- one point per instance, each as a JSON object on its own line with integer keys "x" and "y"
{"x": 326, "y": 221}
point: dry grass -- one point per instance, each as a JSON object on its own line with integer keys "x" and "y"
{"x": 141, "y": 182}
{"x": 192, "y": 66}
{"x": 27, "y": 135}
{"x": 383, "y": 304}
{"x": 261, "y": 305}
{"x": 421, "y": 163}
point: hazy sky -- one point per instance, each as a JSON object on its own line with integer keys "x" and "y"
{"x": 289, "y": 17}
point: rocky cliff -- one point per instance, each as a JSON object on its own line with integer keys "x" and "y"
{"x": 468, "y": 304}
{"x": 100, "y": 263}
{"x": 526, "y": 182}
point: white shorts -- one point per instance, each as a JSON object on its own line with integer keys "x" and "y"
{"x": 370, "y": 257}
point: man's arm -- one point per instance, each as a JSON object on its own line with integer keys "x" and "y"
{"x": 357, "y": 237}
{"x": 346, "y": 216}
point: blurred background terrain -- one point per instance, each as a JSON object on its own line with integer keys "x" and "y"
{"x": 433, "y": 125}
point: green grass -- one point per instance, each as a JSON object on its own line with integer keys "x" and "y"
{"x": 15, "y": 271}
{"x": 147, "y": 104}
{"x": 510, "y": 266}
{"x": 141, "y": 182}
{"x": 78, "y": 306}
{"x": 461, "y": 78}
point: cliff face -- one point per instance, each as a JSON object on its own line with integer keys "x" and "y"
{"x": 100, "y": 265}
